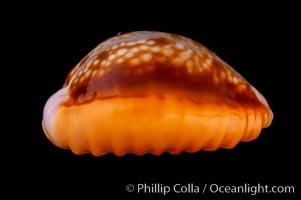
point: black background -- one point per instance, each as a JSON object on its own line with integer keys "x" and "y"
{"x": 50, "y": 40}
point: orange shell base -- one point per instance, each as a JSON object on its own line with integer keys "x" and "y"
{"x": 153, "y": 124}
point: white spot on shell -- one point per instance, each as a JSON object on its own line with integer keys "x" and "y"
{"x": 146, "y": 57}
{"x": 196, "y": 59}
{"x": 87, "y": 74}
{"x": 185, "y": 55}
{"x": 210, "y": 56}
{"x": 189, "y": 51}
{"x": 241, "y": 87}
{"x": 167, "y": 51}
{"x": 96, "y": 62}
{"x": 156, "y": 49}
{"x": 180, "y": 45}
{"x": 223, "y": 75}
{"x": 134, "y": 61}
{"x": 235, "y": 80}
{"x": 94, "y": 72}
{"x": 230, "y": 79}
{"x": 134, "y": 50}
{"x": 129, "y": 55}
{"x": 215, "y": 79}
{"x": 122, "y": 51}
{"x": 111, "y": 57}
{"x": 103, "y": 62}
{"x": 207, "y": 64}
{"x": 141, "y": 41}
{"x": 107, "y": 64}
{"x": 144, "y": 47}
{"x": 208, "y": 61}
{"x": 81, "y": 79}
{"x": 130, "y": 43}
{"x": 115, "y": 46}
{"x": 150, "y": 42}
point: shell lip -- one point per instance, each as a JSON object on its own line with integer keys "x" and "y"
{"x": 50, "y": 110}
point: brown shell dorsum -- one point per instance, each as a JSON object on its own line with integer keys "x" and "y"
{"x": 153, "y": 92}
